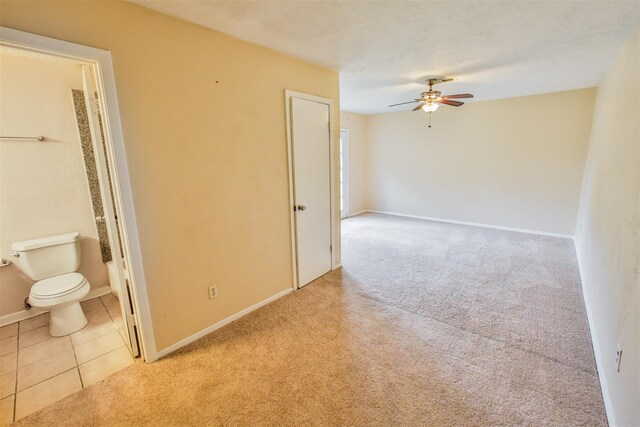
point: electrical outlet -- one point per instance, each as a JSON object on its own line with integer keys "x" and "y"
{"x": 618, "y": 358}
{"x": 213, "y": 291}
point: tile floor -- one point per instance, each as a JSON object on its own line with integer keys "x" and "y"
{"x": 37, "y": 370}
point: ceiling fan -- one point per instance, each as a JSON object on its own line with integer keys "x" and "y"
{"x": 430, "y": 100}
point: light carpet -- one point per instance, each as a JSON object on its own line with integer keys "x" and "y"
{"x": 426, "y": 324}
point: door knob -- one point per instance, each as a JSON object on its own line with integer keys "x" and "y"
{"x": 302, "y": 207}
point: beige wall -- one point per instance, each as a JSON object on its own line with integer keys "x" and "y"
{"x": 43, "y": 185}
{"x": 512, "y": 163}
{"x": 204, "y": 126}
{"x": 357, "y": 126}
{"x": 608, "y": 233}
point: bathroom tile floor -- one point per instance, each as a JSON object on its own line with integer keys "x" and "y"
{"x": 37, "y": 370}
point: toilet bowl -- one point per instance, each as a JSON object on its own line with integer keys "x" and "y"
{"x": 62, "y": 295}
{"x": 52, "y": 262}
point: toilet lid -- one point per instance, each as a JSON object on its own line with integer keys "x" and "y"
{"x": 58, "y": 285}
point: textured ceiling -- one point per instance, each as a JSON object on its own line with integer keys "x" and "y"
{"x": 384, "y": 50}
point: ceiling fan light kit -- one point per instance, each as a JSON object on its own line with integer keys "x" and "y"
{"x": 430, "y": 107}
{"x": 431, "y": 100}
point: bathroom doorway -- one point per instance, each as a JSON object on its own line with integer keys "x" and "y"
{"x": 43, "y": 152}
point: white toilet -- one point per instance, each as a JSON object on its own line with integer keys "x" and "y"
{"x": 52, "y": 262}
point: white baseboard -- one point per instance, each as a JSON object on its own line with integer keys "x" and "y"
{"x": 597, "y": 350}
{"x": 10, "y": 318}
{"x": 98, "y": 292}
{"x": 475, "y": 224}
{"x": 357, "y": 213}
{"x": 220, "y": 324}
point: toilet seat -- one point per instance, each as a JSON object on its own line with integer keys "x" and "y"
{"x": 57, "y": 286}
{"x": 61, "y": 295}
{"x": 59, "y": 290}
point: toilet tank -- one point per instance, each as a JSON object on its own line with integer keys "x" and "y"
{"x": 48, "y": 256}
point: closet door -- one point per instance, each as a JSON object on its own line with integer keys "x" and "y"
{"x": 312, "y": 187}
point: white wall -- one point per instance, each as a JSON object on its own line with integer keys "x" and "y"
{"x": 608, "y": 234}
{"x": 512, "y": 163}
{"x": 357, "y": 126}
{"x": 43, "y": 185}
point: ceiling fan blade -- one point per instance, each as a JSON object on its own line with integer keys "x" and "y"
{"x": 460, "y": 95}
{"x": 402, "y": 103}
{"x": 452, "y": 103}
{"x": 419, "y": 106}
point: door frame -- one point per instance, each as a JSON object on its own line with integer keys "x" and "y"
{"x": 100, "y": 62}
{"x": 335, "y": 261}
{"x": 345, "y": 177}
{"x": 94, "y": 117}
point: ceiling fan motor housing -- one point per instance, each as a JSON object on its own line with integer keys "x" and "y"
{"x": 432, "y": 95}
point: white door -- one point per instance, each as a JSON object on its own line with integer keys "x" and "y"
{"x": 311, "y": 146}
{"x": 93, "y": 113}
{"x": 344, "y": 173}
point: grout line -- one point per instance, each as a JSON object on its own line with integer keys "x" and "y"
{"x": 48, "y": 356}
{"x": 75, "y": 357}
{"x": 52, "y": 403}
{"x": 93, "y": 339}
{"x": 96, "y": 338}
{"x": 15, "y": 385}
{"x": 47, "y": 379}
{"x": 105, "y": 307}
{"x": 108, "y": 352}
{"x": 103, "y": 304}
{"x": 56, "y": 375}
{"x": 103, "y": 354}
{"x": 108, "y": 312}
{"x": 39, "y": 327}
